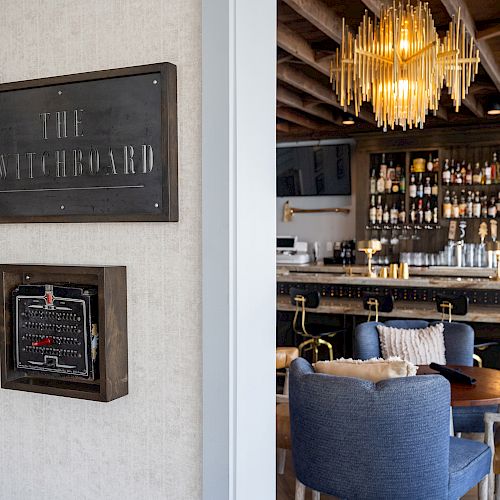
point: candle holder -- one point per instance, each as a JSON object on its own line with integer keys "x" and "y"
{"x": 369, "y": 247}
{"x": 494, "y": 246}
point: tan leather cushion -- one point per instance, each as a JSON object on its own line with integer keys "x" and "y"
{"x": 284, "y": 356}
{"x": 372, "y": 369}
{"x": 283, "y": 426}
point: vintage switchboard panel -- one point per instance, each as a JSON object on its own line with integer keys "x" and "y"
{"x": 63, "y": 330}
{"x": 55, "y": 329}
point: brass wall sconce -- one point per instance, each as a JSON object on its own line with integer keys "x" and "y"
{"x": 289, "y": 211}
{"x": 369, "y": 247}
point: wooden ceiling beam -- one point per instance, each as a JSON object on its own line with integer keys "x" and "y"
{"x": 282, "y": 127}
{"x": 473, "y": 105}
{"x": 293, "y": 100}
{"x": 295, "y": 78}
{"x": 375, "y": 5}
{"x": 319, "y": 15}
{"x": 491, "y": 32}
{"x": 295, "y": 44}
{"x": 291, "y": 116}
{"x": 487, "y": 57}
{"x": 298, "y": 46}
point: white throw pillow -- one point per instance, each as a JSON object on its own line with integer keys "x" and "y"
{"x": 421, "y": 346}
{"x": 372, "y": 369}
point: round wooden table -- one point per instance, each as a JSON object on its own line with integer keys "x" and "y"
{"x": 486, "y": 391}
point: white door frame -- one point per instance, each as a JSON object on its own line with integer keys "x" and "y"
{"x": 239, "y": 285}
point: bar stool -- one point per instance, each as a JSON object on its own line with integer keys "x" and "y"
{"x": 457, "y": 305}
{"x": 314, "y": 333}
{"x": 284, "y": 357}
{"x": 376, "y": 303}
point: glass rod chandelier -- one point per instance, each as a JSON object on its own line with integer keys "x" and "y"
{"x": 400, "y": 64}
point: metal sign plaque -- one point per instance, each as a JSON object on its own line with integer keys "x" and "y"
{"x": 96, "y": 146}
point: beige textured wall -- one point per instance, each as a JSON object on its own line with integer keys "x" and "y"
{"x": 148, "y": 444}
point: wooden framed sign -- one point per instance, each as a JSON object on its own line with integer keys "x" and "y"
{"x": 90, "y": 147}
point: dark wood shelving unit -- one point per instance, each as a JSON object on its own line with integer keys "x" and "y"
{"x": 474, "y": 146}
{"x": 111, "y": 283}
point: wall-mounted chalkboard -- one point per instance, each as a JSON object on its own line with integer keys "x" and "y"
{"x": 90, "y": 147}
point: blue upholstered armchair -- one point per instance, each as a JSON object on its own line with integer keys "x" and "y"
{"x": 459, "y": 345}
{"x": 355, "y": 439}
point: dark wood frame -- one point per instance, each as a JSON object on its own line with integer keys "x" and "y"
{"x": 113, "y": 351}
{"x": 169, "y": 147}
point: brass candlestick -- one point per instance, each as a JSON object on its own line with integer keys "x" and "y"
{"x": 369, "y": 247}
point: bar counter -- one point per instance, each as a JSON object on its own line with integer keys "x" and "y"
{"x": 414, "y": 297}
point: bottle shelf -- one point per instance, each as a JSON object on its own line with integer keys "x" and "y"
{"x": 401, "y": 227}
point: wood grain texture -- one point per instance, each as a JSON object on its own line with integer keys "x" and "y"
{"x": 485, "y": 392}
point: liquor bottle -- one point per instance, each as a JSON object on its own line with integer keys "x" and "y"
{"x": 413, "y": 214}
{"x": 452, "y": 172}
{"x": 483, "y": 175}
{"x": 379, "y": 210}
{"x": 398, "y": 172}
{"x": 430, "y": 164}
{"x": 381, "y": 183}
{"x": 388, "y": 183}
{"x": 394, "y": 214}
{"x": 413, "y": 187}
{"x": 434, "y": 188}
{"x": 420, "y": 211}
{"x": 476, "y": 176}
{"x": 463, "y": 173}
{"x": 373, "y": 211}
{"x": 476, "y": 207}
{"x": 494, "y": 169}
{"x": 468, "y": 175}
{"x": 386, "y": 217}
{"x": 427, "y": 187}
{"x": 447, "y": 205}
{"x": 373, "y": 182}
{"x": 402, "y": 184}
{"x": 497, "y": 169}
{"x": 458, "y": 175}
{"x": 469, "y": 211}
{"x": 455, "y": 209}
{"x": 391, "y": 171}
{"x": 492, "y": 208}
{"x": 435, "y": 215}
{"x": 428, "y": 212}
{"x": 420, "y": 187}
{"x": 498, "y": 203}
{"x": 395, "y": 187}
{"x": 402, "y": 213}
{"x": 446, "y": 173}
{"x": 383, "y": 167}
{"x": 487, "y": 173}
{"x": 484, "y": 206}
{"x": 462, "y": 206}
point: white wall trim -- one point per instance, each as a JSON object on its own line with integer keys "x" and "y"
{"x": 239, "y": 287}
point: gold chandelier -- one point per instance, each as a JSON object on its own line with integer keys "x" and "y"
{"x": 400, "y": 64}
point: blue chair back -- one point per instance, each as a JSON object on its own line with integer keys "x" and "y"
{"x": 458, "y": 340}
{"x": 352, "y": 438}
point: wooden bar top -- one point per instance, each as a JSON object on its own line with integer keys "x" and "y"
{"x": 456, "y": 278}
{"x": 402, "y": 309}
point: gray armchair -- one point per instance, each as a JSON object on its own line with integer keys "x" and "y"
{"x": 459, "y": 345}
{"x": 353, "y": 439}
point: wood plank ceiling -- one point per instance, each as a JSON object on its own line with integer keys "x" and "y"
{"x": 308, "y": 33}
